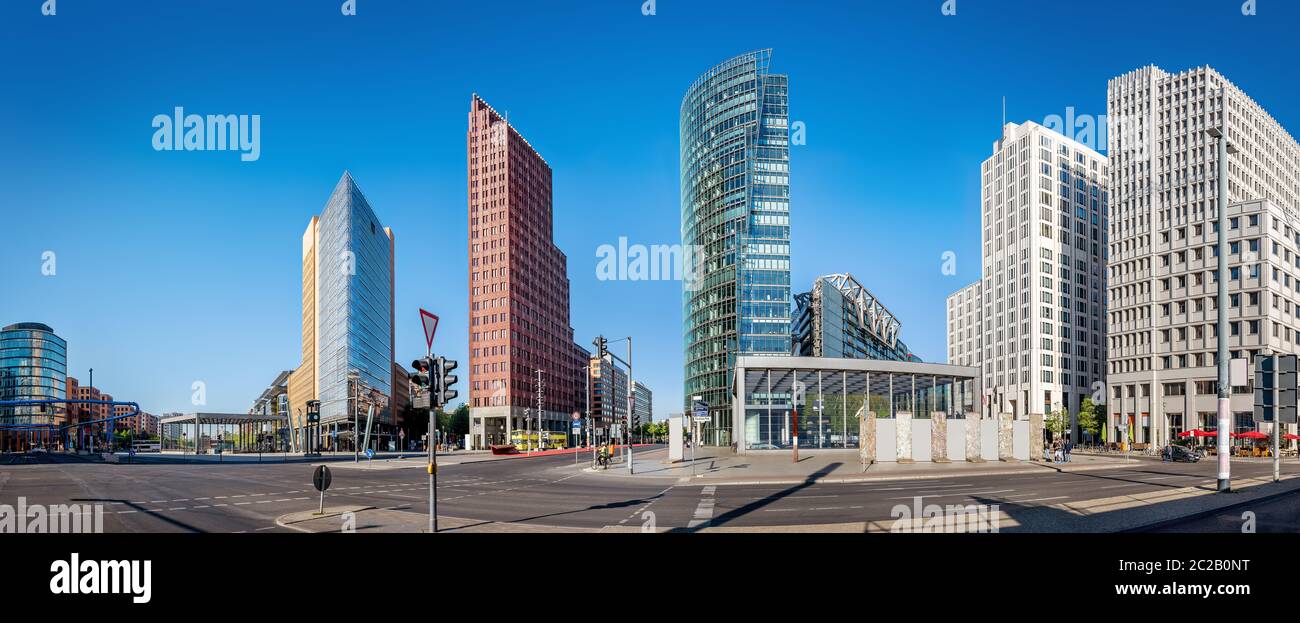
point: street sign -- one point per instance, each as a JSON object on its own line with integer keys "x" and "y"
{"x": 700, "y": 412}
{"x": 1237, "y": 369}
{"x": 430, "y": 322}
{"x": 322, "y": 478}
{"x": 420, "y": 401}
{"x": 370, "y": 453}
{"x": 576, "y": 416}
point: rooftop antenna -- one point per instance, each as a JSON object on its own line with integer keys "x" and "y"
{"x": 1003, "y": 127}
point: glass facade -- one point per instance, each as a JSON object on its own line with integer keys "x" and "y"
{"x": 33, "y": 366}
{"x": 840, "y": 318}
{"x": 832, "y": 397}
{"x": 735, "y": 168}
{"x": 355, "y": 285}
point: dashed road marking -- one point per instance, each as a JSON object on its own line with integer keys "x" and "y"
{"x": 704, "y": 511}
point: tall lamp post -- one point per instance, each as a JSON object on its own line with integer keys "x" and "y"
{"x": 1225, "y": 388}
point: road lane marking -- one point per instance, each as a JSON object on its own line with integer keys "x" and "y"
{"x": 704, "y": 510}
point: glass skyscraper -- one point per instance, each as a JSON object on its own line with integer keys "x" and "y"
{"x": 347, "y": 322}
{"x": 735, "y": 184}
{"x": 356, "y": 298}
{"x": 33, "y": 366}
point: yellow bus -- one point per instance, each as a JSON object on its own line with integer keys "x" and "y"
{"x": 525, "y": 441}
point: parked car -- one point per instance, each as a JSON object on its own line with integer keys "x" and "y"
{"x": 1179, "y": 454}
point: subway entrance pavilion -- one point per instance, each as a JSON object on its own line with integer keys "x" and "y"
{"x": 833, "y": 396}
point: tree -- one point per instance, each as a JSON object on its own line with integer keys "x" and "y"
{"x": 456, "y": 422}
{"x": 1091, "y": 416}
{"x": 1057, "y": 422}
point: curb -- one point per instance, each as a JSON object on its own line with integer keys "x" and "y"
{"x": 327, "y": 514}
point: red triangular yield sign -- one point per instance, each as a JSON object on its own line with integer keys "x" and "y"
{"x": 430, "y": 323}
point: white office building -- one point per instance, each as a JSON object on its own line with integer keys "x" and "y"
{"x": 1033, "y": 324}
{"x": 964, "y": 337}
{"x": 1161, "y": 370}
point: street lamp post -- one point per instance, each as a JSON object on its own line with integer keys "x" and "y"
{"x": 1225, "y": 387}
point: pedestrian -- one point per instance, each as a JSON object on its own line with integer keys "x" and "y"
{"x": 1056, "y": 451}
{"x": 1069, "y": 447}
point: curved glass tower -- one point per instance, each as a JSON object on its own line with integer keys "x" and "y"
{"x": 735, "y": 176}
{"x": 33, "y": 366}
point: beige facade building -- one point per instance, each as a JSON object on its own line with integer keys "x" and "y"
{"x": 1161, "y": 369}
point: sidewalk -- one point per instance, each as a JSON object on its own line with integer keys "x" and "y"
{"x": 721, "y": 466}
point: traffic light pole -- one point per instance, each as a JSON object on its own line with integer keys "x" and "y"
{"x": 434, "y": 385}
{"x": 630, "y": 405}
{"x": 433, "y": 478}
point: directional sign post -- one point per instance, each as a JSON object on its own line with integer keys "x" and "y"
{"x": 699, "y": 417}
{"x": 321, "y": 479}
{"x": 577, "y": 434}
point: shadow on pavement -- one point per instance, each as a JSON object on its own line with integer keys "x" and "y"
{"x": 758, "y": 504}
{"x": 144, "y": 511}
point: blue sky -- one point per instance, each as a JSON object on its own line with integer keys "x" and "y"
{"x": 174, "y": 267}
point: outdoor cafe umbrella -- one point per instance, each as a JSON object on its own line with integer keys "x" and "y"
{"x": 1290, "y": 437}
{"x": 1254, "y": 434}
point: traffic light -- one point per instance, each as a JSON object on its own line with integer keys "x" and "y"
{"x": 421, "y": 378}
{"x": 444, "y": 380}
{"x": 602, "y": 346}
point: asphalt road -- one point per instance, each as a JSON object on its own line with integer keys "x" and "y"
{"x": 551, "y": 491}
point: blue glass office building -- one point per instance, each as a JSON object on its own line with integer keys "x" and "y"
{"x": 33, "y": 366}
{"x": 735, "y": 185}
{"x": 355, "y": 307}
